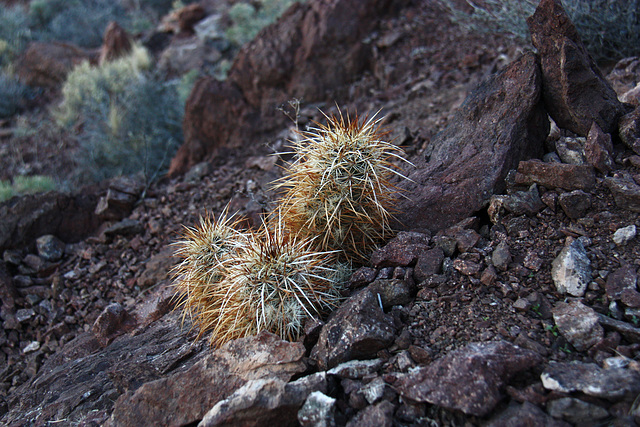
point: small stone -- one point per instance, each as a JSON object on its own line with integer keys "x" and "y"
{"x": 356, "y": 369}
{"x": 575, "y": 204}
{"x": 362, "y": 276}
{"x": 532, "y": 261}
{"x": 626, "y": 192}
{"x": 618, "y": 281}
{"x": 571, "y": 150}
{"x": 579, "y": 324}
{"x": 623, "y": 235}
{"x": 571, "y": 270}
{"x": 630, "y": 298}
{"x": 126, "y": 227}
{"x": 576, "y": 411}
{"x": 374, "y": 390}
{"x": 24, "y": 314}
{"x": 629, "y": 130}
{"x": 501, "y": 256}
{"x": 556, "y": 175}
{"x": 318, "y": 411}
{"x": 31, "y": 347}
{"x": 428, "y": 264}
{"x": 522, "y": 304}
{"x": 50, "y": 248}
{"x": 598, "y": 149}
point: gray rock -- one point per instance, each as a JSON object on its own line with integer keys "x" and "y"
{"x": 579, "y": 324}
{"x": 373, "y": 390}
{"x": 628, "y": 331}
{"x": 121, "y": 196}
{"x": 318, "y": 411}
{"x": 571, "y": 150}
{"x": 50, "y": 248}
{"x": 630, "y": 130}
{"x": 393, "y": 291}
{"x": 358, "y": 329}
{"x": 576, "y": 411}
{"x": 503, "y": 123}
{"x": 356, "y": 369}
{"x": 590, "y": 379}
{"x": 626, "y": 192}
{"x": 469, "y": 379}
{"x": 501, "y": 256}
{"x": 624, "y": 235}
{"x": 575, "y": 204}
{"x": 126, "y": 227}
{"x": 575, "y": 92}
{"x": 265, "y": 401}
{"x": 520, "y": 203}
{"x": 571, "y": 270}
{"x": 428, "y": 264}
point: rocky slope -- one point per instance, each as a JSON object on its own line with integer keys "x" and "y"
{"x": 510, "y": 298}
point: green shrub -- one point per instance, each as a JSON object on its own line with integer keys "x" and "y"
{"x": 14, "y": 33}
{"x": 610, "y": 29}
{"x": 130, "y": 121}
{"x": 248, "y": 20}
{"x": 13, "y": 95}
{"x": 25, "y": 185}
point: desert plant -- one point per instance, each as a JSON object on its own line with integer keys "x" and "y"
{"x": 610, "y": 29}
{"x": 26, "y": 185}
{"x": 14, "y": 33}
{"x": 13, "y": 95}
{"x": 338, "y": 188}
{"x": 238, "y": 284}
{"x": 129, "y": 120}
{"x": 249, "y": 18}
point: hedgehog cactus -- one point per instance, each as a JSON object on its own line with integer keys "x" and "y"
{"x": 275, "y": 282}
{"x": 339, "y": 186}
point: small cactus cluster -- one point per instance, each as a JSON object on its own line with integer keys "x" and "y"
{"x": 339, "y": 186}
{"x": 336, "y": 208}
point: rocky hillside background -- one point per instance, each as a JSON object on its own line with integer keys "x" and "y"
{"x": 508, "y": 297}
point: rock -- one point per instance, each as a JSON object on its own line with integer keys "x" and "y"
{"x": 265, "y": 401}
{"x": 380, "y": 414}
{"x": 575, "y": 204}
{"x": 112, "y": 322}
{"x": 519, "y": 203}
{"x": 576, "y": 411}
{"x": 393, "y": 291}
{"x": 631, "y": 333}
{"x": 624, "y": 235}
{"x": 126, "y": 227}
{"x": 579, "y": 324}
{"x": 466, "y": 267}
{"x": 446, "y": 187}
{"x": 575, "y": 92}
{"x": 50, "y": 248}
{"x": 571, "y": 270}
{"x": 468, "y": 379}
{"x": 262, "y": 357}
{"x": 598, "y": 149}
{"x": 47, "y": 64}
{"x": 556, "y": 175}
{"x": 571, "y": 150}
{"x": 184, "y": 55}
{"x": 156, "y": 269}
{"x": 526, "y": 415}
{"x": 25, "y": 218}
{"x": 318, "y": 411}
{"x": 501, "y": 256}
{"x": 630, "y": 298}
{"x": 626, "y": 192}
{"x": 212, "y": 118}
{"x": 403, "y": 250}
{"x": 620, "y": 280}
{"x": 362, "y": 276}
{"x": 590, "y": 379}
{"x": 466, "y": 240}
{"x": 356, "y": 369}
{"x": 624, "y": 77}
{"x": 358, "y": 329}
{"x": 630, "y": 130}
{"x": 428, "y": 264}
{"x": 116, "y": 43}
{"x": 121, "y": 196}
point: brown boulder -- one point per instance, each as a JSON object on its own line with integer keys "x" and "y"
{"x": 116, "y": 43}
{"x": 574, "y": 90}
{"x": 47, "y": 64}
{"x": 499, "y": 124}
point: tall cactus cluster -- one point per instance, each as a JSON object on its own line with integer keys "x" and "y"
{"x": 335, "y": 210}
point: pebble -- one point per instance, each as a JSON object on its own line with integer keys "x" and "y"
{"x": 622, "y": 236}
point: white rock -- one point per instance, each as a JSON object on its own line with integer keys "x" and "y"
{"x": 571, "y": 270}
{"x": 33, "y": 346}
{"x": 622, "y": 236}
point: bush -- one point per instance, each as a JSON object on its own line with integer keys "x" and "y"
{"x": 130, "y": 121}
{"x": 25, "y": 185}
{"x": 81, "y": 22}
{"x": 609, "y": 29}
{"x": 13, "y": 95}
{"x": 248, "y": 20}
{"x": 14, "y": 33}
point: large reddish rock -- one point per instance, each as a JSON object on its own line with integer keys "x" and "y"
{"x": 500, "y": 123}
{"x": 312, "y": 52}
{"x": 574, "y": 90}
{"x": 47, "y": 64}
